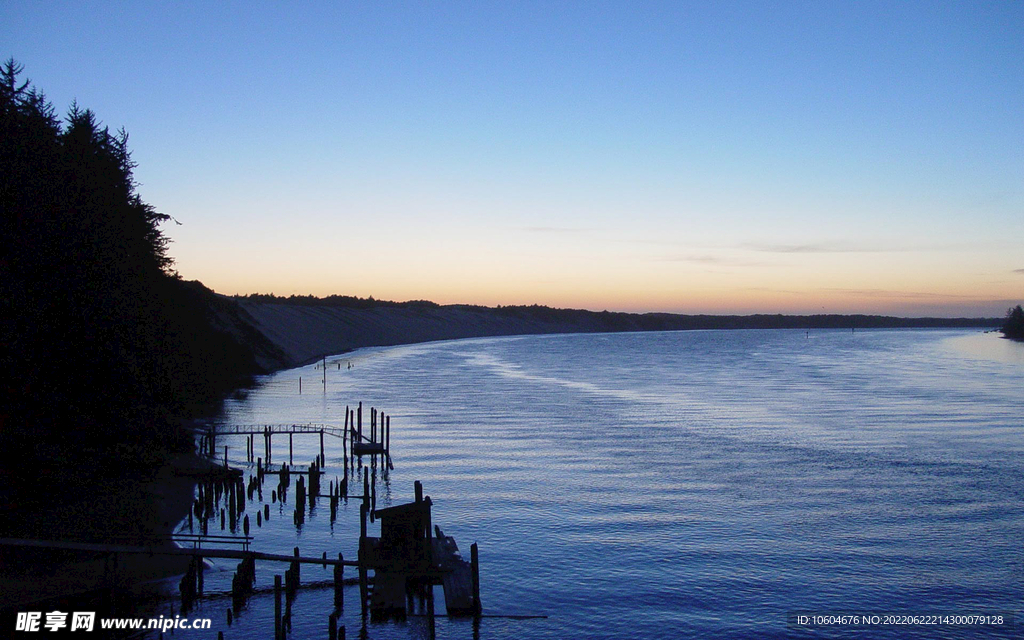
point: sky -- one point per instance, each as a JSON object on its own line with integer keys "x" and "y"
{"x": 690, "y": 157}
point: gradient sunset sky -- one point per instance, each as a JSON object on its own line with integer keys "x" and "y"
{"x": 693, "y": 157}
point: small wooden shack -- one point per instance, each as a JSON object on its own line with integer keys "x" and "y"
{"x": 405, "y": 537}
{"x": 407, "y": 558}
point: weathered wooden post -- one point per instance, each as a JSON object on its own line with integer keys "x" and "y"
{"x": 339, "y": 584}
{"x": 359, "y": 418}
{"x": 332, "y": 627}
{"x": 387, "y": 438}
{"x": 366, "y": 491}
{"x": 363, "y": 559}
{"x": 225, "y": 456}
{"x": 322, "y": 459}
{"x": 278, "y": 631}
{"x": 245, "y": 525}
{"x": 474, "y": 559}
{"x": 418, "y": 487}
{"x": 300, "y": 385}
{"x": 290, "y": 449}
{"x": 429, "y": 530}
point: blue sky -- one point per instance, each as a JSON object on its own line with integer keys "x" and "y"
{"x": 727, "y": 157}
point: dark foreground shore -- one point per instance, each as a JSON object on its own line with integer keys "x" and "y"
{"x": 133, "y": 510}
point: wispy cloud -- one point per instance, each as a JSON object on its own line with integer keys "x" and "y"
{"x": 887, "y": 293}
{"x": 853, "y": 246}
{"x": 774, "y": 290}
{"x": 825, "y": 247}
{"x": 561, "y": 230}
{"x": 712, "y": 260}
{"x": 1018, "y": 270}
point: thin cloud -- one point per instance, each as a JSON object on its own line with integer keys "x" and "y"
{"x": 711, "y": 260}
{"x": 843, "y": 246}
{"x": 561, "y": 230}
{"x": 773, "y": 290}
{"x": 887, "y": 293}
{"x": 824, "y": 247}
{"x": 1018, "y": 271}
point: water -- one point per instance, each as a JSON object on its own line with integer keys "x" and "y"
{"x": 680, "y": 484}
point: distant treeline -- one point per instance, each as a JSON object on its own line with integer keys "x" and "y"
{"x": 622, "y": 321}
{"x": 350, "y": 302}
{"x": 102, "y": 346}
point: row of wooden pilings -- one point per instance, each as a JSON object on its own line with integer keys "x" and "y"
{"x": 234, "y": 491}
{"x": 285, "y": 590}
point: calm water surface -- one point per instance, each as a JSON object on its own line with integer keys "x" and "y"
{"x": 680, "y": 484}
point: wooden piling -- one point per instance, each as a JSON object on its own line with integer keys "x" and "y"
{"x": 366, "y": 491}
{"x": 278, "y": 631}
{"x": 474, "y": 560}
{"x": 363, "y": 551}
{"x": 332, "y": 627}
{"x": 322, "y": 446}
{"x": 339, "y": 583}
{"x": 290, "y": 449}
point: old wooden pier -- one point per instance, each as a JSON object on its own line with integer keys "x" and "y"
{"x": 401, "y": 565}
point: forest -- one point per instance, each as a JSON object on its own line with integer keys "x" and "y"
{"x": 104, "y": 348}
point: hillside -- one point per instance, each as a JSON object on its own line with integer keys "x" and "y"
{"x": 304, "y": 329}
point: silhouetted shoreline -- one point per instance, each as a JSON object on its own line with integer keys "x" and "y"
{"x": 304, "y": 328}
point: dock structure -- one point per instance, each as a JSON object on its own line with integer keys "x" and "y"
{"x": 408, "y": 559}
{"x": 376, "y": 441}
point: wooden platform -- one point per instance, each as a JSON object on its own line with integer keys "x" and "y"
{"x": 456, "y": 576}
{"x": 368, "y": 448}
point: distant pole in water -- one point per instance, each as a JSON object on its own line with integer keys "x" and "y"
{"x": 300, "y": 385}
{"x": 325, "y": 374}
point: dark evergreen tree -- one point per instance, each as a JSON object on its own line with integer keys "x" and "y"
{"x": 1013, "y": 328}
{"x": 102, "y": 346}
